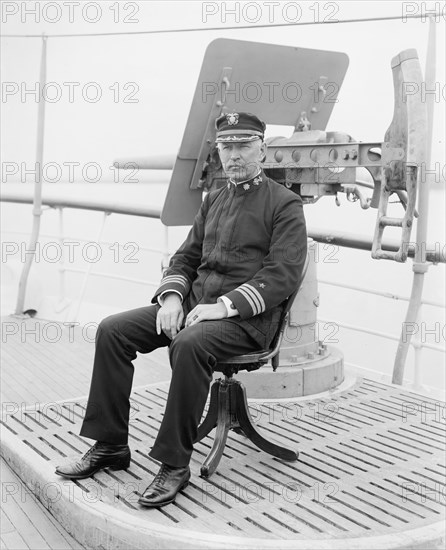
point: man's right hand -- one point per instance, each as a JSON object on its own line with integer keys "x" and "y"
{"x": 170, "y": 316}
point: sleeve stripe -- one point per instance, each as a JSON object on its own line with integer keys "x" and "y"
{"x": 248, "y": 295}
{"x": 179, "y": 281}
{"x": 172, "y": 282}
{"x": 256, "y": 297}
{"x": 259, "y": 296}
{"x": 179, "y": 277}
{"x": 171, "y": 279}
{"x": 248, "y": 299}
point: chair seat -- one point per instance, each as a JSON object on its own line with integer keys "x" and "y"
{"x": 252, "y": 357}
{"x": 248, "y": 362}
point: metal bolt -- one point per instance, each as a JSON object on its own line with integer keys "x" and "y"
{"x": 322, "y": 348}
{"x": 354, "y": 154}
{"x": 345, "y": 155}
{"x": 278, "y": 155}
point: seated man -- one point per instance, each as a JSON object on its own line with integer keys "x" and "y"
{"x": 221, "y": 296}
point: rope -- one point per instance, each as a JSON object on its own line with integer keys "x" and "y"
{"x": 244, "y": 27}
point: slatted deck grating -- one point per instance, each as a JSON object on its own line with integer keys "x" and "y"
{"x": 372, "y": 462}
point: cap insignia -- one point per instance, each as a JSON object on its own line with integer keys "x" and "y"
{"x": 232, "y": 118}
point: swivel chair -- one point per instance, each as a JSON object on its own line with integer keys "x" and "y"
{"x": 228, "y": 406}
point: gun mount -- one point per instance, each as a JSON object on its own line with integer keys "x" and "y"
{"x": 299, "y": 87}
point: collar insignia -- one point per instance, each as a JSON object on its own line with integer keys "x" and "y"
{"x": 232, "y": 118}
{"x": 257, "y": 180}
{"x": 246, "y": 186}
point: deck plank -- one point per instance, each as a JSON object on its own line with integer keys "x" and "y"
{"x": 13, "y": 541}
{"x": 36, "y": 369}
{"x": 25, "y": 522}
{"x": 371, "y": 458}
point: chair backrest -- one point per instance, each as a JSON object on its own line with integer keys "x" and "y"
{"x": 277, "y": 340}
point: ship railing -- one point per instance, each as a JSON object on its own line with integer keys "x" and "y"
{"x": 11, "y": 195}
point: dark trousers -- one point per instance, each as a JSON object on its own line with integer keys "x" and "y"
{"x": 193, "y": 353}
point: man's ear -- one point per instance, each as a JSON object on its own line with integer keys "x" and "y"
{"x": 262, "y": 151}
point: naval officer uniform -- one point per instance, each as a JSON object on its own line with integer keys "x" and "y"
{"x": 247, "y": 248}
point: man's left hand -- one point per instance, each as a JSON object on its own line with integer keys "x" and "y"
{"x": 206, "y": 312}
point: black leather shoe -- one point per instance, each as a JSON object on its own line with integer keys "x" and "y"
{"x": 101, "y": 455}
{"x": 167, "y": 483}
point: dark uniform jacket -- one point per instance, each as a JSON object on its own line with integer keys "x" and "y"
{"x": 249, "y": 243}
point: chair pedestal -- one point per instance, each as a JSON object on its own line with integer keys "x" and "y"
{"x": 228, "y": 409}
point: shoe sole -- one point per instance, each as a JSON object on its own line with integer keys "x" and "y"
{"x": 119, "y": 466}
{"x": 160, "y": 505}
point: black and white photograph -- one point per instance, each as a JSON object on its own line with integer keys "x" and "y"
{"x": 223, "y": 249}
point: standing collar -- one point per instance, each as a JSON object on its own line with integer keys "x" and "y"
{"x": 244, "y": 181}
{"x": 241, "y": 187}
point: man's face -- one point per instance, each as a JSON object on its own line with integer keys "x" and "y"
{"x": 241, "y": 161}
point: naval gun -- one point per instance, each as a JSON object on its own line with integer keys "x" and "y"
{"x": 298, "y": 87}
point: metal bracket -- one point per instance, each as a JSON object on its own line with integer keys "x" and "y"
{"x": 209, "y": 135}
{"x": 391, "y": 154}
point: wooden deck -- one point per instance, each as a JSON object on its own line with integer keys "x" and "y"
{"x": 45, "y": 361}
{"x": 372, "y": 465}
{"x": 25, "y": 523}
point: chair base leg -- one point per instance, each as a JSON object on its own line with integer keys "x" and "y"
{"x": 224, "y": 422}
{"x": 251, "y": 432}
{"x": 228, "y": 409}
{"x": 210, "y": 420}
